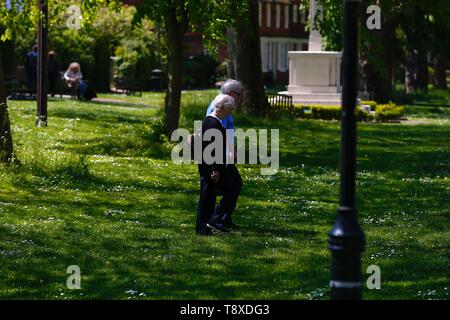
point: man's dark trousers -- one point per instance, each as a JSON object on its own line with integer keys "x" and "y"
{"x": 235, "y": 184}
{"x": 229, "y": 184}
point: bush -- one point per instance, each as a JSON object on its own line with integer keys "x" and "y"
{"x": 371, "y": 103}
{"x": 389, "y": 112}
{"x": 134, "y": 61}
{"x": 200, "y": 71}
{"x": 383, "y": 112}
{"x": 327, "y": 113}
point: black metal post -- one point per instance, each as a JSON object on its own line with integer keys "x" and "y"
{"x": 346, "y": 239}
{"x": 42, "y": 65}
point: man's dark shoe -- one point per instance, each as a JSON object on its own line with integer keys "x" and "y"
{"x": 218, "y": 227}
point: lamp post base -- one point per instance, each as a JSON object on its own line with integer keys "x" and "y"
{"x": 346, "y": 242}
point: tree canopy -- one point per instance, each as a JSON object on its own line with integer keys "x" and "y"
{"x": 416, "y": 26}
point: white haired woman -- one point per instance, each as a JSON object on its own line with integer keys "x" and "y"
{"x": 213, "y": 171}
{"x": 232, "y": 88}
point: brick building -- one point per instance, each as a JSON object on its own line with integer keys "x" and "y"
{"x": 282, "y": 29}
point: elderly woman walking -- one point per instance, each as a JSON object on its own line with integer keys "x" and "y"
{"x": 213, "y": 170}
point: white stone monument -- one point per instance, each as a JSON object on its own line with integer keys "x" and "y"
{"x": 314, "y": 75}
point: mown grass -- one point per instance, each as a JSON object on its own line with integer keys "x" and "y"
{"x": 434, "y": 105}
{"x": 96, "y": 190}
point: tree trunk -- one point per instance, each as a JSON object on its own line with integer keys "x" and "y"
{"x": 248, "y": 61}
{"x": 411, "y": 72}
{"x": 441, "y": 71}
{"x": 379, "y": 81}
{"x": 379, "y": 85}
{"x": 6, "y": 142}
{"x": 416, "y": 31}
{"x": 382, "y": 61}
{"x": 231, "y": 52}
{"x": 175, "y": 31}
{"x": 422, "y": 70}
{"x": 102, "y": 67}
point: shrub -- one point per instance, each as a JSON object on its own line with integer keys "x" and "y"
{"x": 200, "y": 71}
{"x": 134, "y": 61}
{"x": 327, "y": 113}
{"x": 371, "y": 103}
{"x": 389, "y": 112}
{"x": 383, "y": 112}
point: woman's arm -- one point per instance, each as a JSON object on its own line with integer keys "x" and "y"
{"x": 66, "y": 76}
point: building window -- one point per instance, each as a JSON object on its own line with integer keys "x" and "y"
{"x": 278, "y": 16}
{"x": 280, "y": 56}
{"x": 273, "y": 60}
{"x": 268, "y": 15}
{"x": 260, "y": 13}
{"x": 283, "y": 48}
{"x": 265, "y": 56}
{"x": 271, "y": 57}
{"x": 286, "y": 16}
{"x": 286, "y": 64}
{"x": 295, "y": 13}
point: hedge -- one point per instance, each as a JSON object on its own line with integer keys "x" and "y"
{"x": 383, "y": 113}
{"x": 371, "y": 103}
{"x": 389, "y": 112}
{"x": 327, "y": 113}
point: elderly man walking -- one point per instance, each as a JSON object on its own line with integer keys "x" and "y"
{"x": 231, "y": 88}
{"x": 213, "y": 171}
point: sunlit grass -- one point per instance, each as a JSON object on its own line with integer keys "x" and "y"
{"x": 95, "y": 190}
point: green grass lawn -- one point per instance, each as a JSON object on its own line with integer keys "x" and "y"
{"x": 96, "y": 190}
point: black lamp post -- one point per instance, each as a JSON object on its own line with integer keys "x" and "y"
{"x": 42, "y": 64}
{"x": 346, "y": 239}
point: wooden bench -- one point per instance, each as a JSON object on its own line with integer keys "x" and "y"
{"x": 15, "y": 91}
{"x": 23, "y": 93}
{"x": 128, "y": 88}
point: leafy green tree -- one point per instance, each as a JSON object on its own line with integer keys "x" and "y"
{"x": 438, "y": 18}
{"x": 176, "y": 17}
{"x": 406, "y": 26}
{"x": 380, "y": 49}
{"x": 6, "y": 141}
{"x": 23, "y": 14}
{"x": 248, "y": 59}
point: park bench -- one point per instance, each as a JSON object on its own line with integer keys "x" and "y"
{"x": 126, "y": 87}
{"x": 10, "y": 85}
{"x": 23, "y": 94}
{"x": 15, "y": 91}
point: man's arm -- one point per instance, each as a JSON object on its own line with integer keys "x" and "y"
{"x": 229, "y": 125}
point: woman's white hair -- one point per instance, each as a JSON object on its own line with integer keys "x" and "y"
{"x": 224, "y": 101}
{"x": 74, "y": 65}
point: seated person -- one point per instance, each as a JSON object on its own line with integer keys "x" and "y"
{"x": 74, "y": 78}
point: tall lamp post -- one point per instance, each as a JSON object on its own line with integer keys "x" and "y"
{"x": 346, "y": 239}
{"x": 42, "y": 64}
